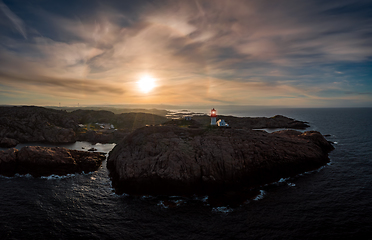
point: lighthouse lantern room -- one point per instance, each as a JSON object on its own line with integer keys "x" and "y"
{"x": 213, "y": 117}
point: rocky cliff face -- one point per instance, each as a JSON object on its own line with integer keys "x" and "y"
{"x": 174, "y": 160}
{"x": 44, "y": 161}
{"x": 36, "y": 124}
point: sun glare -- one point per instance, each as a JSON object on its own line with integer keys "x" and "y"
{"x": 146, "y": 84}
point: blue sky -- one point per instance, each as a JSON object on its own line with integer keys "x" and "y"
{"x": 263, "y": 53}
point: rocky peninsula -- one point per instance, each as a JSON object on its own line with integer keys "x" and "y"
{"x": 175, "y": 160}
{"x": 37, "y": 124}
{"x": 43, "y": 161}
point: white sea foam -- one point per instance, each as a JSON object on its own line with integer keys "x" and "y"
{"x": 147, "y": 197}
{"x": 168, "y": 203}
{"x": 57, "y": 177}
{"x": 161, "y": 203}
{"x": 4, "y": 177}
{"x": 291, "y": 184}
{"x": 23, "y": 176}
{"x": 260, "y": 196}
{"x": 283, "y": 180}
{"x": 200, "y": 198}
{"x": 113, "y": 193}
{"x": 17, "y": 175}
{"x": 222, "y": 209}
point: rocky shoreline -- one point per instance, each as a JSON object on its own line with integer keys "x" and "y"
{"x": 172, "y": 160}
{"x": 44, "y": 161}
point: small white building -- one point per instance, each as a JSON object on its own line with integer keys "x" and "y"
{"x": 188, "y": 118}
{"x": 222, "y": 123}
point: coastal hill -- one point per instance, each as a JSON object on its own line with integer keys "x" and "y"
{"x": 38, "y": 124}
{"x": 177, "y": 160}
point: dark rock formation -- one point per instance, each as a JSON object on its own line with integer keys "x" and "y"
{"x": 174, "y": 160}
{"x": 44, "y": 161}
{"x": 8, "y": 142}
{"x": 37, "y": 124}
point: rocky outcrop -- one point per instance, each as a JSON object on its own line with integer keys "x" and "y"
{"x": 277, "y": 121}
{"x": 44, "y": 161}
{"x": 8, "y": 142}
{"x": 174, "y": 160}
{"x": 36, "y": 124}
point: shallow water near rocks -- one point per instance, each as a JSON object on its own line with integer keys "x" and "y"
{"x": 330, "y": 203}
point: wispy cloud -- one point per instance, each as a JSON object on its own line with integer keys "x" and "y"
{"x": 258, "y": 52}
{"x": 17, "y": 22}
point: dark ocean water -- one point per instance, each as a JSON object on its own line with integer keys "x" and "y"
{"x": 333, "y": 202}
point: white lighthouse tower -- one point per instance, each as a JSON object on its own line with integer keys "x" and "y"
{"x": 213, "y": 117}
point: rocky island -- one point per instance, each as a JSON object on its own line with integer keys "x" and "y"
{"x": 43, "y": 161}
{"x": 174, "y": 160}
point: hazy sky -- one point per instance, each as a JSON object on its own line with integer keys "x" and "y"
{"x": 270, "y": 53}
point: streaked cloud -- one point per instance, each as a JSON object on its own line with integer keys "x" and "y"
{"x": 17, "y": 22}
{"x": 242, "y": 52}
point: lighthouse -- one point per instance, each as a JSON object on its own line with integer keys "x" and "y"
{"x": 213, "y": 117}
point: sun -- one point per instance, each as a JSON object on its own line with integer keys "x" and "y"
{"x": 146, "y": 84}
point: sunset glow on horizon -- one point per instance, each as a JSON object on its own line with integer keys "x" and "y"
{"x": 263, "y": 53}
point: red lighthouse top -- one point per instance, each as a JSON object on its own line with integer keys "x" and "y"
{"x": 213, "y": 113}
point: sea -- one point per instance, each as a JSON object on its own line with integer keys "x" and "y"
{"x": 332, "y": 202}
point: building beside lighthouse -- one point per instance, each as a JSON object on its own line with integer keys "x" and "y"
{"x": 222, "y": 123}
{"x": 213, "y": 117}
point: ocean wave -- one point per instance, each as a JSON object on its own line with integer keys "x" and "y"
{"x": 17, "y": 175}
{"x": 161, "y": 204}
{"x": 57, "y": 177}
{"x": 171, "y": 203}
{"x": 222, "y": 209}
{"x": 260, "y": 196}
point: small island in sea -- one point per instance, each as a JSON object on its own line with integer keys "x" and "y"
{"x": 174, "y": 160}
{"x": 183, "y": 156}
